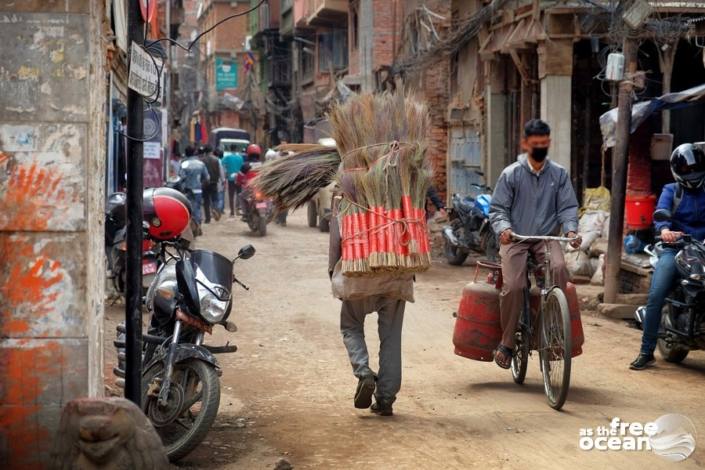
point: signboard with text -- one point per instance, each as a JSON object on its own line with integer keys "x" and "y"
{"x": 225, "y": 74}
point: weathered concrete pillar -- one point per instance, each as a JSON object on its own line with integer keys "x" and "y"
{"x": 52, "y": 87}
{"x": 555, "y": 72}
{"x": 496, "y": 125}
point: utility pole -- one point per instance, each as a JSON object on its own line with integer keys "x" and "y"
{"x": 613, "y": 261}
{"x": 133, "y": 285}
{"x": 167, "y": 92}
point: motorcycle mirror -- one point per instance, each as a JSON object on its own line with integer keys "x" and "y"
{"x": 662, "y": 215}
{"x": 246, "y": 252}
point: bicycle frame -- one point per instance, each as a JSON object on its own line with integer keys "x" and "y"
{"x": 548, "y": 279}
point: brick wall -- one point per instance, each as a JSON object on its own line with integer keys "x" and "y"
{"x": 432, "y": 85}
{"x": 385, "y": 31}
{"x": 639, "y": 163}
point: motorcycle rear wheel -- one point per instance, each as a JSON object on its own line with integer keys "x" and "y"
{"x": 455, "y": 256}
{"x": 178, "y": 437}
{"x": 669, "y": 351}
{"x": 262, "y": 226}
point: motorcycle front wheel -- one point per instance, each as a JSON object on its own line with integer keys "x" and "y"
{"x": 192, "y": 405}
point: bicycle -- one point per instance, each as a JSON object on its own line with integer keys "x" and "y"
{"x": 554, "y": 342}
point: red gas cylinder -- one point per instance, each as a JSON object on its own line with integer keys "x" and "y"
{"x": 576, "y": 324}
{"x": 477, "y": 329}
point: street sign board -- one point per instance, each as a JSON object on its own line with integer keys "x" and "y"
{"x": 225, "y": 74}
{"x": 144, "y": 76}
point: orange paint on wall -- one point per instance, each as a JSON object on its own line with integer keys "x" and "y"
{"x": 31, "y": 197}
{"x": 25, "y": 280}
{"x": 24, "y": 370}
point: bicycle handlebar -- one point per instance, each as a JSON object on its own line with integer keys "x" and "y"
{"x": 516, "y": 236}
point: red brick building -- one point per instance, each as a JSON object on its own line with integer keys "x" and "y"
{"x": 222, "y": 53}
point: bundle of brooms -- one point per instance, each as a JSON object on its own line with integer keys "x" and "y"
{"x": 383, "y": 179}
{"x": 293, "y": 180}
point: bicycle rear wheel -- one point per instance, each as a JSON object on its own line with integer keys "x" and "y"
{"x": 555, "y": 348}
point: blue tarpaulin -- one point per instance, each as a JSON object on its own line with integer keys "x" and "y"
{"x": 642, "y": 110}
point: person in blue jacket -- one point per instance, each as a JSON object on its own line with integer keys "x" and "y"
{"x": 685, "y": 200}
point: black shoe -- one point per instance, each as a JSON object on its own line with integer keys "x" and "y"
{"x": 382, "y": 408}
{"x": 365, "y": 389}
{"x": 642, "y": 361}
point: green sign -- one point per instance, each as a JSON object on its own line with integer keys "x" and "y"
{"x": 225, "y": 74}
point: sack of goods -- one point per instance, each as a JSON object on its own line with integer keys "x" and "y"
{"x": 383, "y": 179}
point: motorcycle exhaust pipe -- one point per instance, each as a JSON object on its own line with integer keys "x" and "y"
{"x": 639, "y": 315}
{"x": 450, "y": 236}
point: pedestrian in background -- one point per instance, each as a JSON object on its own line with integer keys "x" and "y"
{"x": 210, "y": 188}
{"x": 194, "y": 174}
{"x": 218, "y": 153}
{"x": 232, "y": 162}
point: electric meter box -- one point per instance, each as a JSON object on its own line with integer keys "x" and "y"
{"x": 615, "y": 67}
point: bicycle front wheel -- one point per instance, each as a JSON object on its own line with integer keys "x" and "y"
{"x": 555, "y": 348}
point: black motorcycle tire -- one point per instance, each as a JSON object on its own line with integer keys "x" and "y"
{"x": 261, "y": 226}
{"x": 455, "y": 256}
{"x": 324, "y": 225}
{"x": 670, "y": 353}
{"x": 312, "y": 212}
{"x": 209, "y": 409}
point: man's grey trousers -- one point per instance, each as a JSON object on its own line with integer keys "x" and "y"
{"x": 389, "y": 323}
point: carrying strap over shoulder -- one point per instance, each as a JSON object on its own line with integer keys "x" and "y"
{"x": 677, "y": 198}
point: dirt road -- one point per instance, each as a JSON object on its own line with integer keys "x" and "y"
{"x": 287, "y": 392}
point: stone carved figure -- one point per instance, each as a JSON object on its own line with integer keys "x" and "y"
{"x": 106, "y": 434}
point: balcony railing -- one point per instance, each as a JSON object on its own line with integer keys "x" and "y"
{"x": 325, "y": 12}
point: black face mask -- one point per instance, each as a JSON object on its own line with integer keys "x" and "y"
{"x": 539, "y": 153}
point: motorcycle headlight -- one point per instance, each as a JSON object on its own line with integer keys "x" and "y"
{"x": 213, "y": 298}
{"x": 212, "y": 309}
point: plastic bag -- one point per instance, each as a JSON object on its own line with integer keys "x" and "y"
{"x": 578, "y": 264}
{"x": 596, "y": 199}
{"x": 598, "y": 278}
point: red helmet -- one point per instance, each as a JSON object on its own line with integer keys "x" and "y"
{"x": 254, "y": 149}
{"x": 167, "y": 211}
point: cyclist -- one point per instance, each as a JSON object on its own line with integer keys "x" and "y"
{"x": 533, "y": 196}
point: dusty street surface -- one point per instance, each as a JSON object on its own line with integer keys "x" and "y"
{"x": 287, "y": 392}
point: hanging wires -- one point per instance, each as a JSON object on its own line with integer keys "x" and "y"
{"x": 153, "y": 48}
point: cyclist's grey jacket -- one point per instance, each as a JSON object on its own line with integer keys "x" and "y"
{"x": 532, "y": 203}
{"x": 194, "y": 173}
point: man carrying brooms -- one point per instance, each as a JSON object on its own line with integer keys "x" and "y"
{"x": 386, "y": 294}
{"x": 378, "y": 228}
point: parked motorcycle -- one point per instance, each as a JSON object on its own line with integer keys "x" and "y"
{"x": 177, "y": 184}
{"x": 180, "y": 378}
{"x": 258, "y": 211}
{"x": 116, "y": 246}
{"x": 683, "y": 316}
{"x": 469, "y": 227}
